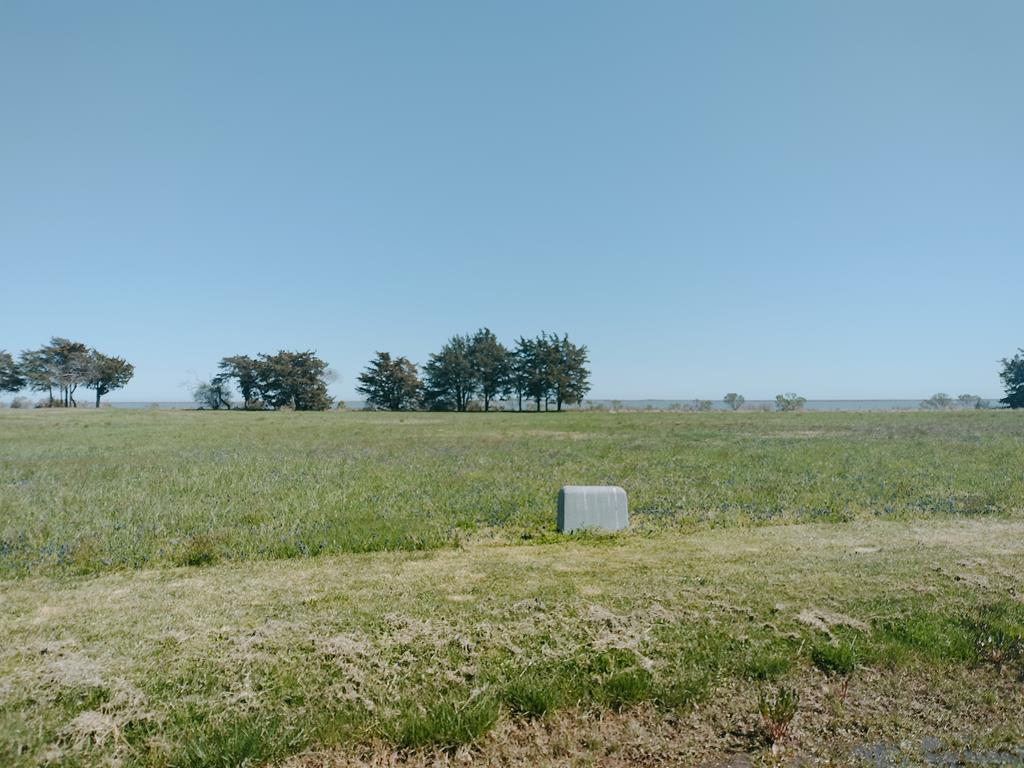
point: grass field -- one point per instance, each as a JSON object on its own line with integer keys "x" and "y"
{"x": 163, "y": 606}
{"x": 94, "y": 491}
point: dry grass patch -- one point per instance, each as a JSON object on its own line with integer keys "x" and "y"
{"x": 644, "y": 647}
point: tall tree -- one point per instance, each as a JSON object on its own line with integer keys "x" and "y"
{"x": 390, "y": 384}
{"x": 106, "y": 374}
{"x": 246, "y": 373}
{"x": 11, "y": 379}
{"x": 62, "y": 364}
{"x": 570, "y": 377}
{"x": 522, "y": 369}
{"x": 36, "y": 366}
{"x": 1013, "y": 380}
{"x": 293, "y": 379}
{"x": 491, "y": 365}
{"x": 73, "y": 364}
{"x": 536, "y": 361}
{"x": 450, "y": 378}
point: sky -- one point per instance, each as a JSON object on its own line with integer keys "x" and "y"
{"x": 821, "y": 197}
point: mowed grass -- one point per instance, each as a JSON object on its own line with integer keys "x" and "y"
{"x": 92, "y": 491}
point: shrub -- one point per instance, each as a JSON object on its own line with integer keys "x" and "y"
{"x": 734, "y": 400}
{"x": 940, "y": 401}
{"x": 840, "y": 660}
{"x": 777, "y": 711}
{"x": 21, "y": 402}
{"x": 790, "y": 402}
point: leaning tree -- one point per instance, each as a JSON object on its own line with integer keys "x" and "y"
{"x": 11, "y": 379}
{"x": 106, "y": 373}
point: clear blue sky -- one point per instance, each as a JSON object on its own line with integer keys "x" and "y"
{"x": 820, "y": 196}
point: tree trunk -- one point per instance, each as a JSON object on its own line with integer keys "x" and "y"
{"x": 71, "y": 396}
{"x": 97, "y": 397}
{"x": 487, "y": 403}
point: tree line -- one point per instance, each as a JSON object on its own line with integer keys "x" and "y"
{"x": 547, "y": 370}
{"x": 61, "y": 367}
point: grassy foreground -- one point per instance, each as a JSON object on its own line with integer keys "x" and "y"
{"x": 93, "y": 491}
{"x": 161, "y": 606}
{"x": 900, "y": 639}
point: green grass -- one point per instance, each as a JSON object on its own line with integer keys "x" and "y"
{"x": 177, "y": 624}
{"x": 839, "y": 659}
{"x": 94, "y": 491}
{"x": 446, "y": 722}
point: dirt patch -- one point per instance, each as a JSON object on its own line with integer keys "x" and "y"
{"x": 823, "y": 620}
{"x": 90, "y": 728}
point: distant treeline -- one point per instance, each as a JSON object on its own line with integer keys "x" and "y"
{"x": 61, "y": 367}
{"x": 548, "y": 369}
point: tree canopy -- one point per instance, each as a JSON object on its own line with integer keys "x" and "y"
{"x": 246, "y": 373}
{"x": 11, "y": 379}
{"x": 450, "y": 377}
{"x": 1012, "y": 375}
{"x": 546, "y": 369}
{"x": 390, "y": 384}
{"x": 492, "y": 366}
{"x": 286, "y": 379}
{"x": 550, "y": 368}
{"x": 107, "y": 373}
{"x": 64, "y": 365}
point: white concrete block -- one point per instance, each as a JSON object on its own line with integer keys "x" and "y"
{"x": 598, "y": 507}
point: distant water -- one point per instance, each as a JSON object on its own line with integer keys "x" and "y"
{"x": 757, "y": 405}
{"x": 639, "y": 405}
{"x": 169, "y": 405}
